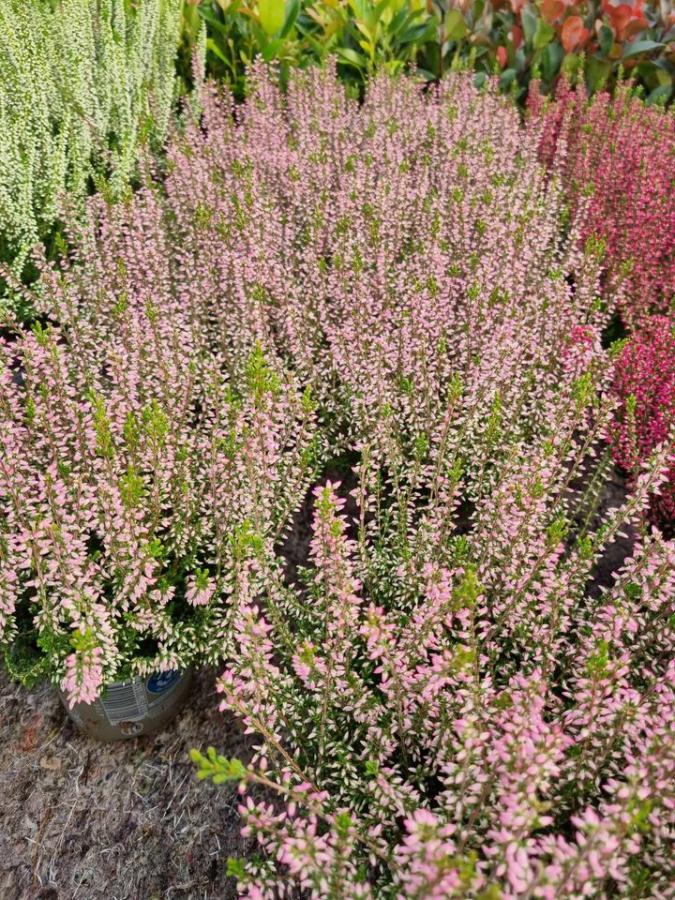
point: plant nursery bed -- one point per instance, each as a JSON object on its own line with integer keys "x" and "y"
{"x": 81, "y": 819}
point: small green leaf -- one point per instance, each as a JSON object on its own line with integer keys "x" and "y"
{"x": 550, "y": 60}
{"x": 543, "y": 35}
{"x": 271, "y": 49}
{"x": 529, "y": 20}
{"x": 633, "y": 590}
{"x": 237, "y": 769}
{"x": 659, "y": 95}
{"x": 641, "y": 47}
{"x": 506, "y": 78}
{"x": 291, "y": 18}
{"x": 272, "y": 15}
{"x": 212, "y": 47}
{"x": 351, "y": 57}
{"x": 571, "y": 65}
{"x": 597, "y": 72}
{"x": 343, "y": 823}
{"x": 454, "y": 26}
{"x": 606, "y": 39}
{"x": 236, "y": 868}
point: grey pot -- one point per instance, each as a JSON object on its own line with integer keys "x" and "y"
{"x": 128, "y": 709}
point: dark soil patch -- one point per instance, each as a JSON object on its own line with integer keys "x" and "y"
{"x": 294, "y": 548}
{"x": 614, "y": 495}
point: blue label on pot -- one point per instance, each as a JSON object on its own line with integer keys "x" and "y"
{"x": 162, "y": 681}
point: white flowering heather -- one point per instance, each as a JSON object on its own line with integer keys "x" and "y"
{"x": 134, "y": 461}
{"x": 83, "y": 84}
{"x": 450, "y": 702}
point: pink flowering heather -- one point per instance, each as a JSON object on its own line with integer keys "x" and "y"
{"x": 448, "y": 701}
{"x": 616, "y": 159}
{"x": 135, "y": 446}
{"x": 395, "y": 252}
{"x": 428, "y": 754}
{"x": 644, "y": 382}
{"x": 455, "y": 697}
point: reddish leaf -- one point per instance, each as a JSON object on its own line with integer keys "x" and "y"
{"x": 552, "y": 10}
{"x": 574, "y": 36}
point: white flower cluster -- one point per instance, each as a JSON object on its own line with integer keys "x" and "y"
{"x": 83, "y": 83}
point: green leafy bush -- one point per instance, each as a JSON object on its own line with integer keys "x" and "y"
{"x": 597, "y": 40}
{"x": 363, "y": 35}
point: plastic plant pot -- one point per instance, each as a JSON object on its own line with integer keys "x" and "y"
{"x": 129, "y": 709}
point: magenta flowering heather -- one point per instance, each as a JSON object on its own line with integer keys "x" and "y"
{"x": 644, "y": 382}
{"x": 449, "y": 700}
{"x": 616, "y": 157}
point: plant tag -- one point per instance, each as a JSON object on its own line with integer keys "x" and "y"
{"x": 125, "y": 702}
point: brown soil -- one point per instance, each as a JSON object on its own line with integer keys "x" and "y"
{"x": 125, "y": 821}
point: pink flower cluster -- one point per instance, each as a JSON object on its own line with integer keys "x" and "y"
{"x": 432, "y": 757}
{"x": 137, "y": 447}
{"x": 644, "y": 382}
{"x": 446, "y": 703}
{"x": 614, "y": 157}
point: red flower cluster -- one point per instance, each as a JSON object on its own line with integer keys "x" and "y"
{"x": 644, "y": 382}
{"x": 615, "y": 160}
